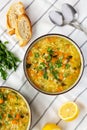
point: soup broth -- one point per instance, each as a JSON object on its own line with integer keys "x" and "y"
{"x": 14, "y": 113}
{"x": 53, "y": 64}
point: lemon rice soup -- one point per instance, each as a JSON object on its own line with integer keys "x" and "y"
{"x": 53, "y": 64}
{"x": 14, "y": 113}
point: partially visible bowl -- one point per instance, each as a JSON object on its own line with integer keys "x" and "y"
{"x": 14, "y": 110}
{"x": 53, "y": 64}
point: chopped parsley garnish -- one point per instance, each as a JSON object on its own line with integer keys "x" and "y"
{"x": 36, "y": 55}
{"x": 0, "y": 116}
{"x": 42, "y": 66}
{"x": 50, "y": 51}
{"x": 67, "y": 66}
{"x": 45, "y": 75}
{"x": 9, "y": 116}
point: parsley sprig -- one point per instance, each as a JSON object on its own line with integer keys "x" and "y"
{"x": 8, "y": 60}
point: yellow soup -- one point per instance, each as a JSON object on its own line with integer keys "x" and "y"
{"x": 53, "y": 64}
{"x": 14, "y": 113}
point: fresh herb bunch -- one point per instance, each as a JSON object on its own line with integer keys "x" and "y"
{"x": 8, "y": 60}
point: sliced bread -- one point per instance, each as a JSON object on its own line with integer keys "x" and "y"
{"x": 23, "y": 29}
{"x": 12, "y": 15}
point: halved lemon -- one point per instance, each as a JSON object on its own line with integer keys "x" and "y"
{"x": 68, "y": 111}
{"x": 51, "y": 126}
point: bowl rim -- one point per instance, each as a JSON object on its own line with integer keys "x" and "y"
{"x": 25, "y": 100}
{"x": 47, "y": 35}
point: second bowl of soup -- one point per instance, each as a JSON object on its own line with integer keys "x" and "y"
{"x": 53, "y": 64}
{"x": 15, "y": 113}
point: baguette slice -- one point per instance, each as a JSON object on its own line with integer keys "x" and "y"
{"x": 12, "y": 15}
{"x": 23, "y": 29}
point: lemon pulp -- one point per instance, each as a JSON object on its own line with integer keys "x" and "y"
{"x": 51, "y": 126}
{"x": 68, "y": 111}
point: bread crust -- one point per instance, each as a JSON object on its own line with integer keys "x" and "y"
{"x": 14, "y": 11}
{"x": 23, "y": 29}
{"x": 19, "y": 23}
